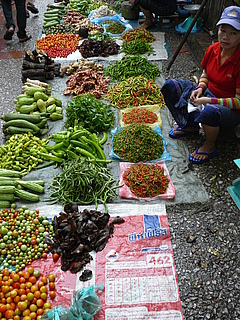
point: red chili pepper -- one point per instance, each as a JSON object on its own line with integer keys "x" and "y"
{"x": 146, "y": 180}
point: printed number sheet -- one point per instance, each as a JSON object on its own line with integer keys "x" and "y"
{"x": 138, "y": 271}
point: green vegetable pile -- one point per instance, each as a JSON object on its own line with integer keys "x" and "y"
{"x": 138, "y": 46}
{"x": 80, "y": 6}
{"x": 84, "y": 182}
{"x": 130, "y": 66}
{"x": 134, "y": 91}
{"x": 137, "y": 142}
{"x": 60, "y": 28}
{"x": 20, "y": 152}
{"x": 101, "y": 36}
{"x": 115, "y": 27}
{"x": 87, "y": 111}
{"x": 116, "y": 6}
{"x": 74, "y": 143}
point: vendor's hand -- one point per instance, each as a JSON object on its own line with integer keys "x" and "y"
{"x": 202, "y": 101}
{"x": 131, "y": 2}
{"x": 196, "y": 94}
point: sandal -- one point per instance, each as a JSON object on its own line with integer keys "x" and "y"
{"x": 24, "y": 39}
{"x": 9, "y": 34}
{"x": 31, "y": 7}
{"x": 183, "y": 133}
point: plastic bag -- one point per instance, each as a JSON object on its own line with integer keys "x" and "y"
{"x": 104, "y": 22}
{"x": 59, "y": 313}
{"x": 85, "y": 302}
{"x": 192, "y": 108}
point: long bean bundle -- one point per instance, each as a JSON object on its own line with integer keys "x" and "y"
{"x": 84, "y": 182}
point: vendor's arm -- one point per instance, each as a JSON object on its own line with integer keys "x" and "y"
{"x": 232, "y": 103}
{"x": 202, "y": 86}
{"x": 196, "y": 96}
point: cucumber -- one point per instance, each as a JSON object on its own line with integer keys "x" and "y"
{"x": 10, "y": 173}
{"x": 32, "y": 186}
{"x": 34, "y": 118}
{"x": 51, "y": 18}
{"x": 50, "y": 24}
{"x": 22, "y": 124}
{"x": 16, "y": 130}
{"x": 23, "y": 194}
{"x": 5, "y": 204}
{"x": 7, "y": 197}
{"x": 55, "y": 6}
{"x": 7, "y": 189}
{"x": 51, "y": 11}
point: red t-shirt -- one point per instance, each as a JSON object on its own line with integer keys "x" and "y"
{"x": 222, "y": 80}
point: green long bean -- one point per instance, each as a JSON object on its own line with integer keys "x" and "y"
{"x": 83, "y": 181}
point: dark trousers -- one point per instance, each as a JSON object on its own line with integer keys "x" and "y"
{"x": 21, "y": 16}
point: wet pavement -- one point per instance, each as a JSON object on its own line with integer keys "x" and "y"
{"x": 208, "y": 268}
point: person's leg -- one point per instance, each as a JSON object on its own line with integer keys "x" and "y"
{"x": 212, "y": 118}
{"x": 176, "y": 93}
{"x": 211, "y": 134}
{"x": 7, "y": 10}
{"x": 149, "y": 20}
{"x": 21, "y": 18}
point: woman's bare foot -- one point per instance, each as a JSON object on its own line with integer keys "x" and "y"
{"x": 178, "y": 131}
{"x": 198, "y": 154}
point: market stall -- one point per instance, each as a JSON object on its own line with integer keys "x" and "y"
{"x": 63, "y": 146}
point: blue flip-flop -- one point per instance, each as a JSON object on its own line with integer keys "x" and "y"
{"x": 209, "y": 156}
{"x": 184, "y": 133}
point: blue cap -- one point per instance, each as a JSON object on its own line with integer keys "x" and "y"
{"x": 231, "y": 16}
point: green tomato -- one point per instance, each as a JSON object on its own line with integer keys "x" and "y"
{"x": 41, "y": 229}
{"x": 23, "y": 247}
{"x": 36, "y": 273}
{"x": 13, "y": 206}
{"x": 3, "y": 230}
{"x": 2, "y": 245}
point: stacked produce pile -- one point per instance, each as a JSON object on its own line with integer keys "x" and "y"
{"x": 38, "y": 65}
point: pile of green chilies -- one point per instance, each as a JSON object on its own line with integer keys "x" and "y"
{"x": 146, "y": 180}
{"x": 84, "y": 182}
{"x": 130, "y": 66}
{"x": 138, "y": 46}
{"x": 137, "y": 143}
{"x": 133, "y": 92}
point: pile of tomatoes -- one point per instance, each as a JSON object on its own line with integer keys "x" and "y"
{"x": 24, "y": 294}
{"x": 58, "y": 45}
{"x": 22, "y": 233}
